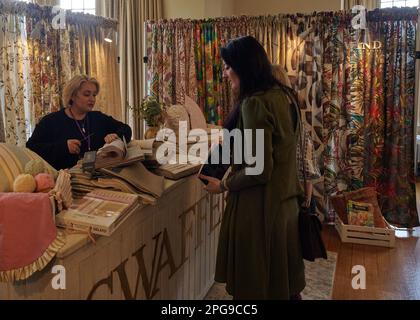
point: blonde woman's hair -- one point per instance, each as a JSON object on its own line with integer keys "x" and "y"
{"x": 281, "y": 75}
{"x": 73, "y": 86}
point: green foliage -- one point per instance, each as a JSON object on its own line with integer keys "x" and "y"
{"x": 151, "y": 110}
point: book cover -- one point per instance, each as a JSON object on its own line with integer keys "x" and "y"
{"x": 360, "y": 214}
{"x": 100, "y": 211}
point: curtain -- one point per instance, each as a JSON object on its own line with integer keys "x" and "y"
{"x": 209, "y": 69}
{"x": 369, "y": 4}
{"x": 398, "y": 180}
{"x": 108, "y": 8}
{"x": 131, "y": 15}
{"x": 417, "y": 108}
{"x": 336, "y": 83}
{"x": 369, "y": 81}
{"x": 44, "y": 66}
{"x": 14, "y": 73}
{"x": 355, "y": 88}
{"x": 36, "y": 61}
{"x": 96, "y": 51}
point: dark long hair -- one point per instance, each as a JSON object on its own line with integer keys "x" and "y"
{"x": 247, "y": 57}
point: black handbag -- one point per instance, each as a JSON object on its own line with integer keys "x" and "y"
{"x": 310, "y": 227}
{"x": 310, "y": 236}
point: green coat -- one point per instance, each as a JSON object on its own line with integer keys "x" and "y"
{"x": 259, "y": 254}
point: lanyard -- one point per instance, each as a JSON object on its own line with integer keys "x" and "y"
{"x": 86, "y": 136}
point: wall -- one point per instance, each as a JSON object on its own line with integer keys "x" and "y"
{"x": 219, "y": 8}
{"x": 252, "y": 7}
{"x": 199, "y": 9}
{"x": 193, "y": 9}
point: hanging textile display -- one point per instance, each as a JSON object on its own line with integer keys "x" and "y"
{"x": 355, "y": 88}
{"x": 368, "y": 86}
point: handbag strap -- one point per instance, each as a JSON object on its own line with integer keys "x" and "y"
{"x": 294, "y": 101}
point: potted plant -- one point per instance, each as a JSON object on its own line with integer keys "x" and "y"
{"x": 153, "y": 112}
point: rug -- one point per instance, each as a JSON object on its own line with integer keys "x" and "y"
{"x": 319, "y": 281}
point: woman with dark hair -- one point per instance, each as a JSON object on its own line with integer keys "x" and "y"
{"x": 259, "y": 254}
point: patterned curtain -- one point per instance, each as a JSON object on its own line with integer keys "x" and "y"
{"x": 209, "y": 71}
{"x": 36, "y": 61}
{"x": 161, "y": 75}
{"x": 15, "y": 96}
{"x": 44, "y": 64}
{"x": 368, "y": 86}
{"x": 398, "y": 119}
{"x": 336, "y": 84}
{"x": 355, "y": 87}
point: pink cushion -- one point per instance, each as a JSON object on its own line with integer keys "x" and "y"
{"x": 27, "y": 228}
{"x": 197, "y": 119}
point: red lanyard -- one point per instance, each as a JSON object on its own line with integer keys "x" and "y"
{"x": 86, "y": 136}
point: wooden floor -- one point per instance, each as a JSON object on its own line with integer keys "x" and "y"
{"x": 390, "y": 273}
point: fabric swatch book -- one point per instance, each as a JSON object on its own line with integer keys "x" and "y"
{"x": 139, "y": 177}
{"x": 116, "y": 154}
{"x": 178, "y": 171}
{"x": 100, "y": 211}
{"x": 360, "y": 214}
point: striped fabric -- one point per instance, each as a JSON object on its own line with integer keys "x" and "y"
{"x": 12, "y": 163}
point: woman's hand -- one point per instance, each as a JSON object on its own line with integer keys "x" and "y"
{"x": 111, "y": 138}
{"x": 74, "y": 146}
{"x": 214, "y": 185}
{"x": 308, "y": 195}
{"x": 307, "y": 203}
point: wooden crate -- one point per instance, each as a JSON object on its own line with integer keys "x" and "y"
{"x": 381, "y": 237}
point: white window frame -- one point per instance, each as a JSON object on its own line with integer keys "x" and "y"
{"x": 393, "y": 1}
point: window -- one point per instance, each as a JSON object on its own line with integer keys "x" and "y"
{"x": 399, "y": 3}
{"x": 85, "y": 6}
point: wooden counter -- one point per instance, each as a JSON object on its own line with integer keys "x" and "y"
{"x": 166, "y": 251}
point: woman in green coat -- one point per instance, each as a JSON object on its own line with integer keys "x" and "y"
{"x": 259, "y": 253}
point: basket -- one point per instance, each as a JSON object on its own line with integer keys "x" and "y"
{"x": 367, "y": 195}
{"x": 380, "y": 237}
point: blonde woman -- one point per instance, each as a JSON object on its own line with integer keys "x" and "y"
{"x": 62, "y": 137}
